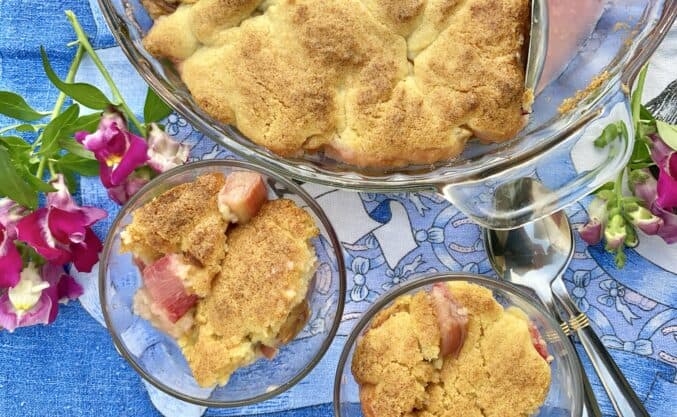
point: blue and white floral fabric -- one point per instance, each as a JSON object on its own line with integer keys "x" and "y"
{"x": 72, "y": 369}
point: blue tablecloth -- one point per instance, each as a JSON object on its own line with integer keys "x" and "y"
{"x": 71, "y": 368}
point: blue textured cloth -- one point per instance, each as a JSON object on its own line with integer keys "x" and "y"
{"x": 72, "y": 369}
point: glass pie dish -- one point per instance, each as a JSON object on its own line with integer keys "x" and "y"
{"x": 156, "y": 356}
{"x": 565, "y": 396}
{"x": 603, "y": 42}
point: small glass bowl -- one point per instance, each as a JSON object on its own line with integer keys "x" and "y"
{"x": 157, "y": 357}
{"x": 565, "y": 398}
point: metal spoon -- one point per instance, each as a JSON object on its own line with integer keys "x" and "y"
{"x": 522, "y": 256}
{"x": 534, "y": 255}
{"x": 538, "y": 44}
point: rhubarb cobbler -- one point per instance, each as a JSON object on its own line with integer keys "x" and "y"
{"x": 453, "y": 351}
{"x": 224, "y": 270}
{"x": 370, "y": 82}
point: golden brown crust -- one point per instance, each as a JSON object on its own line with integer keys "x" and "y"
{"x": 264, "y": 277}
{"x": 157, "y": 8}
{"x": 498, "y": 372}
{"x": 372, "y": 82}
{"x": 186, "y": 220}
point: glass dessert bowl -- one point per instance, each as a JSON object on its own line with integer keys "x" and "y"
{"x": 158, "y": 358}
{"x": 604, "y": 52}
{"x": 564, "y": 397}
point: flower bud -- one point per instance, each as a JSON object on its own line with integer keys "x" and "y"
{"x": 646, "y": 221}
{"x": 591, "y": 232}
{"x": 631, "y": 239}
{"x": 615, "y": 232}
{"x": 643, "y": 185}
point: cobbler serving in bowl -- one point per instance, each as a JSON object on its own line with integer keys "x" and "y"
{"x": 221, "y": 283}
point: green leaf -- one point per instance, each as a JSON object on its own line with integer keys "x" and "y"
{"x": 82, "y": 166}
{"x": 640, "y": 153}
{"x": 27, "y": 128}
{"x": 13, "y": 185}
{"x": 14, "y": 106}
{"x": 154, "y": 109}
{"x": 605, "y": 194}
{"x": 644, "y": 130}
{"x": 14, "y": 142}
{"x": 34, "y": 181}
{"x": 71, "y": 179}
{"x": 58, "y": 128}
{"x": 86, "y": 123}
{"x": 645, "y": 114}
{"x": 641, "y": 165}
{"x": 668, "y": 133}
{"x": 74, "y": 147}
{"x": 18, "y": 149}
{"x": 86, "y": 94}
{"x": 609, "y": 133}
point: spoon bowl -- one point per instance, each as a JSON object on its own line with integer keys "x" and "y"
{"x": 535, "y": 256}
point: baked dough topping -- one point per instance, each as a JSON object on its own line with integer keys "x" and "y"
{"x": 227, "y": 304}
{"x": 369, "y": 82}
{"x": 497, "y": 373}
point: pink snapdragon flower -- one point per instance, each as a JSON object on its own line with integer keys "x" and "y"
{"x": 667, "y": 183}
{"x": 123, "y": 192}
{"x": 118, "y": 150}
{"x": 593, "y": 230}
{"x": 660, "y": 196}
{"x": 164, "y": 151}
{"x": 10, "y": 259}
{"x": 35, "y": 298}
{"x": 61, "y": 232}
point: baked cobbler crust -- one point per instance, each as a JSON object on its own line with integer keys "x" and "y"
{"x": 498, "y": 372}
{"x": 184, "y": 220}
{"x": 255, "y": 293}
{"x": 371, "y": 82}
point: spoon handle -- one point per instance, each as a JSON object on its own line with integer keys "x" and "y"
{"x": 623, "y": 398}
{"x": 590, "y": 405}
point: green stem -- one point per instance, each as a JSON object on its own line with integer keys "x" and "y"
{"x": 52, "y": 170}
{"x": 41, "y": 167}
{"x": 82, "y": 38}
{"x": 618, "y": 188}
{"x": 69, "y": 79}
{"x": 637, "y": 96}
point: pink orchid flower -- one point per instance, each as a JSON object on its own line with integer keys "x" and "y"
{"x": 61, "y": 232}
{"x": 118, "y": 150}
{"x": 35, "y": 299}
{"x": 164, "y": 151}
{"x": 10, "y": 259}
